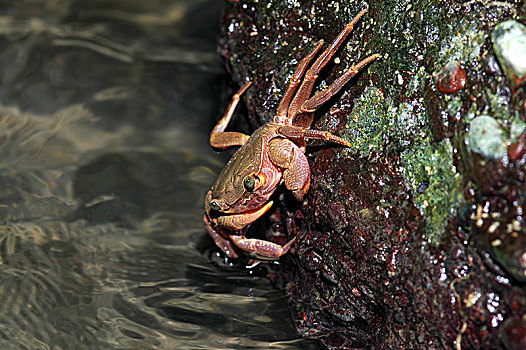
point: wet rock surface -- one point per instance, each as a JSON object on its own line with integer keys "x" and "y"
{"x": 416, "y": 237}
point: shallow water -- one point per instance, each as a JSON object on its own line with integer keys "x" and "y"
{"x": 105, "y": 109}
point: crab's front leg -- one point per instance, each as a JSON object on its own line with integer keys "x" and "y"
{"x": 286, "y": 154}
{"x": 239, "y": 223}
{"x": 242, "y": 220}
{"x": 261, "y": 247}
{"x": 220, "y": 239}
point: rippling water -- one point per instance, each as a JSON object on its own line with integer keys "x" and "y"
{"x": 105, "y": 107}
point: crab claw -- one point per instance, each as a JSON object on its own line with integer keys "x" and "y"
{"x": 238, "y": 221}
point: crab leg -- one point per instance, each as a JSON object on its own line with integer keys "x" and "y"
{"x": 322, "y": 96}
{"x": 223, "y": 243}
{"x": 306, "y": 86}
{"x": 239, "y": 221}
{"x": 296, "y": 132}
{"x": 221, "y": 139}
{"x": 294, "y": 81}
{"x": 261, "y": 247}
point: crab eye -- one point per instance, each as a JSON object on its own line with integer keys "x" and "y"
{"x": 249, "y": 183}
{"x": 214, "y": 206}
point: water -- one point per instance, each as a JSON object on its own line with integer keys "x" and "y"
{"x": 105, "y": 109}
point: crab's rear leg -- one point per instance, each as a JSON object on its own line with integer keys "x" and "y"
{"x": 306, "y": 86}
{"x": 296, "y": 132}
{"x": 323, "y": 96}
{"x": 221, "y": 139}
{"x": 283, "y": 107}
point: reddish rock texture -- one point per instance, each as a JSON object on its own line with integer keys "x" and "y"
{"x": 416, "y": 239}
{"x": 451, "y": 78}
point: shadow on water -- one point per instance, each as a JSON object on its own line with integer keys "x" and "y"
{"x": 105, "y": 109}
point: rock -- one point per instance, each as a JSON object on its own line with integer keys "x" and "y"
{"x": 451, "y": 78}
{"x": 394, "y": 238}
{"x": 513, "y": 334}
{"x": 486, "y": 137}
{"x": 509, "y": 42}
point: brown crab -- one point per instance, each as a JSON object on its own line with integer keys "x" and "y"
{"x": 273, "y": 154}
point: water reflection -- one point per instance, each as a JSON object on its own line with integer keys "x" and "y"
{"x": 104, "y": 164}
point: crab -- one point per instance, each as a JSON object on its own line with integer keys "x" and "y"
{"x": 273, "y": 154}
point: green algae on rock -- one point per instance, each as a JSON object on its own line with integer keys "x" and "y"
{"x": 517, "y": 129}
{"x": 369, "y": 121}
{"x": 430, "y": 173}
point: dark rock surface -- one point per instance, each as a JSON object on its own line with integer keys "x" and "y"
{"x": 416, "y": 237}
